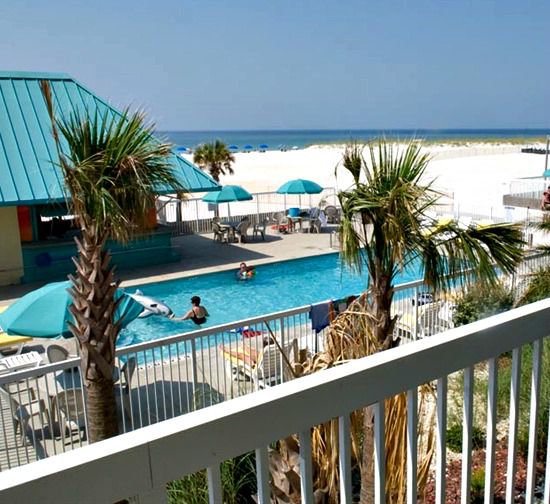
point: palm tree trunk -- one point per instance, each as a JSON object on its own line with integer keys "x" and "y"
{"x": 382, "y": 324}
{"x": 93, "y": 308}
{"x": 366, "y": 495}
{"x": 101, "y": 405}
{"x": 381, "y": 300}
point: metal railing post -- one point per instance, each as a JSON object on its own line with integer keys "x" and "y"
{"x": 197, "y": 230}
{"x": 415, "y": 313}
{"x": 283, "y": 346}
{"x": 194, "y": 372}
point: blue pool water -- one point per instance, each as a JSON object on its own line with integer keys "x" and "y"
{"x": 277, "y": 286}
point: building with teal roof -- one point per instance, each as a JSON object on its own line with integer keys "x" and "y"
{"x": 36, "y": 242}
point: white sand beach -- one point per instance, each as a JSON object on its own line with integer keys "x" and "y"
{"x": 477, "y": 174}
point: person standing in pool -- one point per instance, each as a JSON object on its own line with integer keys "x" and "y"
{"x": 245, "y": 272}
{"x": 197, "y": 313}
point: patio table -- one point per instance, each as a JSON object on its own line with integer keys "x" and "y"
{"x": 300, "y": 220}
{"x": 231, "y": 228}
{"x": 232, "y": 224}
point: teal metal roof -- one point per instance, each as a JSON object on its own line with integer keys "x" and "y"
{"x": 28, "y": 159}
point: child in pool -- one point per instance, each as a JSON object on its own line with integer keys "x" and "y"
{"x": 245, "y": 272}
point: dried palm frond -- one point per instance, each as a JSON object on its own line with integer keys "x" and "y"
{"x": 350, "y": 337}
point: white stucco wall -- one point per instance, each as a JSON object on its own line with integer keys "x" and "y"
{"x": 11, "y": 259}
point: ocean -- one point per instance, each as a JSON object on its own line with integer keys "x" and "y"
{"x": 274, "y": 139}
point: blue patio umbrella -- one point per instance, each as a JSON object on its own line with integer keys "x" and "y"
{"x": 233, "y": 147}
{"x": 182, "y": 149}
{"x": 44, "y": 313}
{"x": 300, "y": 186}
{"x": 248, "y": 147}
{"x": 227, "y": 194}
{"x": 263, "y": 146}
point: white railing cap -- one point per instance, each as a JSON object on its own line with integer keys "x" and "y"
{"x": 145, "y": 459}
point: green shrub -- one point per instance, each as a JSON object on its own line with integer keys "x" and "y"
{"x": 504, "y": 378}
{"x": 481, "y": 301}
{"x": 538, "y": 287}
{"x": 477, "y": 486}
{"x": 454, "y": 438}
{"x": 238, "y": 483}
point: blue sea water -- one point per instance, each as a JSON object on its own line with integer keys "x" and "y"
{"x": 304, "y": 138}
{"x": 277, "y": 286}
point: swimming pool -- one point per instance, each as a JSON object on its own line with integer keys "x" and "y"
{"x": 276, "y": 286}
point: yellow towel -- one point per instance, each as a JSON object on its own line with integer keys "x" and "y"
{"x": 7, "y": 340}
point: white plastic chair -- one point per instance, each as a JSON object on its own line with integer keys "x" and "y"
{"x": 22, "y": 413}
{"x": 259, "y": 229}
{"x": 56, "y": 353}
{"x": 282, "y": 221}
{"x": 69, "y": 406}
{"x": 242, "y": 229}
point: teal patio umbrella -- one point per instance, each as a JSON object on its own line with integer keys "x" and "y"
{"x": 228, "y": 194}
{"x": 44, "y": 313}
{"x": 300, "y": 186}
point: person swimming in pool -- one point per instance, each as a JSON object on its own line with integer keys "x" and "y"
{"x": 197, "y": 313}
{"x": 245, "y": 271}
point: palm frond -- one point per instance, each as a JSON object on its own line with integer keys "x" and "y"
{"x": 476, "y": 253}
{"x": 113, "y": 167}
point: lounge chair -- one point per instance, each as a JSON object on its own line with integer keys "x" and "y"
{"x": 12, "y": 344}
{"x": 19, "y": 362}
{"x": 268, "y": 370}
{"x": 429, "y": 321}
{"x": 264, "y": 368}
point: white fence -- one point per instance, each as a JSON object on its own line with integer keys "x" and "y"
{"x": 193, "y": 215}
{"x": 144, "y": 461}
{"x": 459, "y": 152}
{"x": 179, "y": 374}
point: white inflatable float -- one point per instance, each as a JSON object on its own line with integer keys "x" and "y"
{"x": 151, "y": 306}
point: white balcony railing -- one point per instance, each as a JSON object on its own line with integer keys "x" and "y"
{"x": 142, "y": 462}
{"x": 175, "y": 375}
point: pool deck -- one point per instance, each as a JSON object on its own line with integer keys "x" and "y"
{"x": 167, "y": 390}
{"x": 200, "y": 255}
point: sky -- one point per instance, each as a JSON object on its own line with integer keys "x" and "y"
{"x": 296, "y": 64}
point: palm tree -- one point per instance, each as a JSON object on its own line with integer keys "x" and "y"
{"x": 215, "y": 157}
{"x": 112, "y": 167}
{"x": 386, "y": 225}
